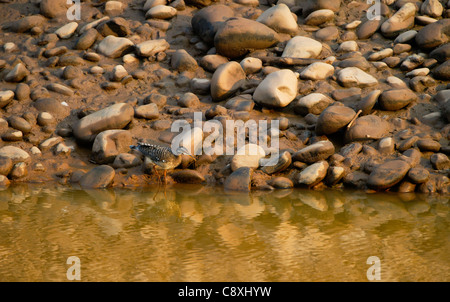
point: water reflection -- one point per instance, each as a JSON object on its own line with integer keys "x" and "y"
{"x": 205, "y": 234}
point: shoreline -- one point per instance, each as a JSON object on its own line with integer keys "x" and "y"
{"x": 360, "y": 104}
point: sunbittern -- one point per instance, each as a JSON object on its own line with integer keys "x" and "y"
{"x": 162, "y": 156}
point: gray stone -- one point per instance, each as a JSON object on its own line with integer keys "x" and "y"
{"x": 315, "y": 152}
{"x": 239, "y": 180}
{"x": 388, "y": 174}
{"x": 98, "y": 178}
{"x": 313, "y": 174}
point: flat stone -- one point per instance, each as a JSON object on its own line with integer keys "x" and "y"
{"x": 277, "y": 163}
{"x": 126, "y": 160}
{"x": 333, "y": 119}
{"x": 315, "y": 152}
{"x": 434, "y": 34}
{"x": 279, "y": 18}
{"x": 98, "y": 178}
{"x": 110, "y": 143}
{"x": 226, "y": 80}
{"x": 26, "y": 23}
{"x": 368, "y": 28}
{"x": 151, "y": 47}
{"x": 239, "y": 180}
{"x": 15, "y": 154}
{"x": 6, "y": 97}
{"x": 440, "y": 161}
{"x": 418, "y": 175}
{"x": 401, "y": 21}
{"x": 17, "y": 74}
{"x": 302, "y": 47}
{"x": 188, "y": 176}
{"x": 113, "y": 117}
{"x": 367, "y": 127}
{"x": 114, "y": 47}
{"x": 52, "y": 106}
{"x": 328, "y": 33}
{"x": 317, "y": 71}
{"x": 353, "y": 76}
{"x": 182, "y": 61}
{"x": 278, "y": 89}
{"x": 313, "y": 174}
{"x": 161, "y": 12}
{"x": 319, "y": 17}
{"x": 149, "y": 111}
{"x": 313, "y": 103}
{"x": 87, "y": 39}
{"x": 281, "y": 183}
{"x": 66, "y": 31}
{"x": 238, "y": 36}
{"x": 19, "y": 123}
{"x": 212, "y": 62}
{"x": 388, "y": 174}
{"x": 396, "y": 99}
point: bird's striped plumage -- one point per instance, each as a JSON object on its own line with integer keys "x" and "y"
{"x": 159, "y": 155}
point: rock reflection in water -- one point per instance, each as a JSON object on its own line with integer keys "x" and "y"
{"x": 205, "y": 234}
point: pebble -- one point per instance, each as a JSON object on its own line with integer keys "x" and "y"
{"x": 251, "y": 65}
{"x": 317, "y": 71}
{"x": 367, "y": 127}
{"x": 313, "y": 103}
{"x": 333, "y": 119}
{"x": 237, "y": 36}
{"x": 353, "y": 76}
{"x": 66, "y": 31}
{"x": 114, "y": 47}
{"x": 182, "y": 61}
{"x": 319, "y": 17}
{"x": 278, "y": 89}
{"x": 281, "y": 183}
{"x": 302, "y": 47}
{"x": 17, "y": 74}
{"x": 368, "y": 29}
{"x": 432, "y": 8}
{"x": 161, "y": 12}
{"x": 113, "y": 117}
{"x": 239, "y": 180}
{"x": 348, "y": 46}
{"x": 440, "y": 161}
{"x": 328, "y": 33}
{"x": 279, "y": 18}
{"x": 6, "y": 97}
{"x": 226, "y": 80}
{"x": 188, "y": 176}
{"x": 396, "y": 99}
{"x": 277, "y": 164}
{"x": 313, "y": 174}
{"x": 110, "y": 143}
{"x": 367, "y": 103}
{"x": 402, "y": 20}
{"x": 126, "y": 160}
{"x": 388, "y": 174}
{"x": 433, "y": 35}
{"x": 15, "y": 154}
{"x": 315, "y": 152}
{"x": 418, "y": 175}
{"x": 151, "y": 47}
{"x": 98, "y": 178}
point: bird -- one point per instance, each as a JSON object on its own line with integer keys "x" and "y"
{"x": 162, "y": 156}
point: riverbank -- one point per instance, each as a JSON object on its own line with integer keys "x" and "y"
{"x": 360, "y": 103}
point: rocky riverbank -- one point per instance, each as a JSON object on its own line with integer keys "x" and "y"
{"x": 360, "y": 103}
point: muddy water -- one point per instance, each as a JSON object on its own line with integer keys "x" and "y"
{"x": 205, "y": 234}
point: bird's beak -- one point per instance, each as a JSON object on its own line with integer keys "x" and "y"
{"x": 192, "y": 157}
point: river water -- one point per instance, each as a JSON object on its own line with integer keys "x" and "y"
{"x": 205, "y": 234}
